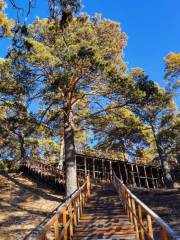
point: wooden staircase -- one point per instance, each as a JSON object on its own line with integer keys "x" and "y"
{"x": 104, "y": 217}
{"x": 107, "y": 210}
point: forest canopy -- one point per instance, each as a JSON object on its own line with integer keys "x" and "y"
{"x": 65, "y": 88}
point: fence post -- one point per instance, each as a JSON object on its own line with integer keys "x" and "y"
{"x": 64, "y": 224}
{"x": 163, "y": 234}
{"x": 141, "y": 222}
{"x": 75, "y": 212}
{"x": 88, "y": 185}
{"x": 70, "y": 222}
{"x": 56, "y": 228}
{"x": 149, "y": 225}
{"x": 130, "y": 207}
{"x": 135, "y": 218}
{"x": 80, "y": 203}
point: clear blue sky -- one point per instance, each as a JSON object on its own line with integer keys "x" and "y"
{"x": 153, "y": 29}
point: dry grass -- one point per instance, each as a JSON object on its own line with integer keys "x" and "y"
{"x": 165, "y": 202}
{"x": 23, "y": 205}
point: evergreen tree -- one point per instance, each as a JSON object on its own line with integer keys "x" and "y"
{"x": 70, "y": 65}
{"x": 156, "y": 109}
{"x": 5, "y": 23}
{"x": 172, "y": 71}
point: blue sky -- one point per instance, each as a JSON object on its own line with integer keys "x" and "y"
{"x": 153, "y": 29}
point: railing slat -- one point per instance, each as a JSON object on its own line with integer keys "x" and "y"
{"x": 130, "y": 202}
{"x": 56, "y": 228}
{"x": 149, "y": 226}
{"x": 69, "y": 212}
{"x": 141, "y": 223}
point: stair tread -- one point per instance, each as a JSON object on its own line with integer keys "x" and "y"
{"x": 104, "y": 218}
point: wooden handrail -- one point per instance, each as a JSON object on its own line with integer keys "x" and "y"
{"x": 67, "y": 215}
{"x": 141, "y": 215}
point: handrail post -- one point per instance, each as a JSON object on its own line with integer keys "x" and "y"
{"x": 88, "y": 185}
{"x": 141, "y": 222}
{"x": 75, "y": 212}
{"x": 135, "y": 217}
{"x": 130, "y": 208}
{"x": 70, "y": 222}
{"x": 80, "y": 198}
{"x": 149, "y": 225}
{"x": 163, "y": 234}
{"x": 64, "y": 224}
{"x": 56, "y": 228}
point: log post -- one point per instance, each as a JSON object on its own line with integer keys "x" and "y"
{"x": 64, "y": 224}
{"x": 103, "y": 175}
{"x": 88, "y": 186}
{"x": 141, "y": 222}
{"x": 120, "y": 175}
{"x": 85, "y": 166}
{"x": 70, "y": 222}
{"x": 132, "y": 175}
{"x": 126, "y": 173}
{"x": 56, "y": 229}
{"x": 130, "y": 208}
{"x": 110, "y": 165}
{"x": 146, "y": 179}
{"x": 94, "y": 169}
{"x": 135, "y": 217}
{"x": 163, "y": 234}
{"x": 153, "y": 182}
{"x": 139, "y": 180}
{"x": 149, "y": 226}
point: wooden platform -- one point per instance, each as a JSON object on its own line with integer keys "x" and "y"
{"x": 104, "y": 217}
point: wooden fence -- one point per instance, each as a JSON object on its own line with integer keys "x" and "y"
{"x": 61, "y": 225}
{"x": 147, "y": 224}
{"x": 132, "y": 174}
{"x": 45, "y": 172}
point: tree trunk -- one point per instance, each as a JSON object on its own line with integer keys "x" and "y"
{"x": 22, "y": 148}
{"x": 70, "y": 161}
{"x": 164, "y": 163}
{"x": 61, "y": 155}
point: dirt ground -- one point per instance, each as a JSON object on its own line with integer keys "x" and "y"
{"x": 24, "y": 204}
{"x": 164, "y": 202}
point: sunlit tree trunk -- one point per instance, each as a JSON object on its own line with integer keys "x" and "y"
{"x": 61, "y": 155}
{"x": 70, "y": 161}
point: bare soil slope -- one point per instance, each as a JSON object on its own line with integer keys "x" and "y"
{"x": 165, "y": 202}
{"x": 24, "y": 204}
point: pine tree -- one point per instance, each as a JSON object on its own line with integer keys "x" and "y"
{"x": 70, "y": 65}
{"x": 5, "y": 23}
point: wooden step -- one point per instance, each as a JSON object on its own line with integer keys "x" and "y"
{"x": 104, "y": 218}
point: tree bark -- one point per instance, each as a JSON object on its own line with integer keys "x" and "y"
{"x": 61, "y": 155}
{"x": 22, "y": 148}
{"x": 70, "y": 160}
{"x": 164, "y": 163}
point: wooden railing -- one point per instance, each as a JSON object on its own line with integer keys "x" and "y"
{"x": 61, "y": 225}
{"x": 147, "y": 224}
{"x": 131, "y": 173}
{"x": 44, "y": 171}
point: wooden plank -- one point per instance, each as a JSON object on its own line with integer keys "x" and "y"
{"x": 132, "y": 176}
{"x": 70, "y": 222}
{"x": 142, "y": 237}
{"x": 85, "y": 166}
{"x": 64, "y": 224}
{"x": 126, "y": 173}
{"x": 146, "y": 180}
{"x": 139, "y": 180}
{"x": 56, "y": 229}
{"x": 149, "y": 226}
